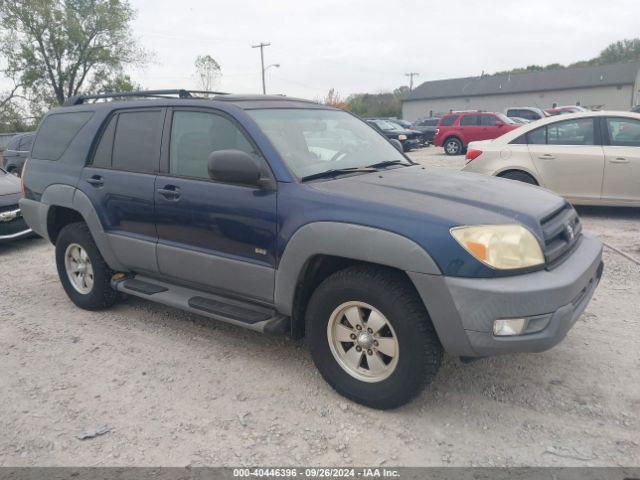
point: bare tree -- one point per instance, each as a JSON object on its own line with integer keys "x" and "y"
{"x": 208, "y": 72}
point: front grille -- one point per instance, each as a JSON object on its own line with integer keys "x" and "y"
{"x": 562, "y": 230}
{"x": 8, "y": 208}
{"x": 15, "y": 225}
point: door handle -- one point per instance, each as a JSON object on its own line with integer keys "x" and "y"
{"x": 546, "y": 156}
{"x": 619, "y": 160}
{"x": 96, "y": 181}
{"x": 170, "y": 192}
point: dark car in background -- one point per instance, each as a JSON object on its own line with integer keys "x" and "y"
{"x": 12, "y": 225}
{"x": 409, "y": 139}
{"x": 17, "y": 152}
{"x": 427, "y": 126}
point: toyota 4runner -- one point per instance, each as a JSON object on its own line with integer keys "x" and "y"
{"x": 289, "y": 217}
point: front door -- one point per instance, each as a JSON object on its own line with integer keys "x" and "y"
{"x": 217, "y": 235}
{"x": 569, "y": 158}
{"x": 120, "y": 183}
{"x": 622, "y": 160}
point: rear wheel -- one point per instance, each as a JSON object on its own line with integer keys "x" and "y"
{"x": 371, "y": 337}
{"x": 453, "y": 146}
{"x": 84, "y": 275}
{"x": 520, "y": 177}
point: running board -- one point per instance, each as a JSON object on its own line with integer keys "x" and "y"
{"x": 236, "y": 312}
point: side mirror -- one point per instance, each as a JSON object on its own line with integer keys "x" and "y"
{"x": 396, "y": 143}
{"x": 499, "y": 123}
{"x": 233, "y": 166}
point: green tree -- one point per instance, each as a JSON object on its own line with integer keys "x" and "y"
{"x": 621, "y": 51}
{"x": 208, "y": 72}
{"x": 58, "y": 48}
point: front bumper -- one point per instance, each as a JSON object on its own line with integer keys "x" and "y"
{"x": 410, "y": 143}
{"x": 13, "y": 225}
{"x": 463, "y": 309}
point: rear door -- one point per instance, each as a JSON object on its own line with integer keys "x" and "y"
{"x": 569, "y": 157}
{"x": 622, "y": 159}
{"x": 214, "y": 234}
{"x": 470, "y": 128}
{"x": 120, "y": 182}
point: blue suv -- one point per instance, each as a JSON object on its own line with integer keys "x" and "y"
{"x": 288, "y": 217}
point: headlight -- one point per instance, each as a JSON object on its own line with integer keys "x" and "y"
{"x": 503, "y": 247}
{"x": 402, "y": 137}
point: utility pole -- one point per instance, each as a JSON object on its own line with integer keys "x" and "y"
{"x": 411, "y": 75}
{"x": 261, "y": 46}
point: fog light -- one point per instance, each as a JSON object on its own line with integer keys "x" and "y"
{"x": 509, "y": 327}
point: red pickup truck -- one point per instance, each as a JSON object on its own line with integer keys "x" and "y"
{"x": 456, "y": 130}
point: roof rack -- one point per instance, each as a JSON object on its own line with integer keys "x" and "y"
{"x": 181, "y": 93}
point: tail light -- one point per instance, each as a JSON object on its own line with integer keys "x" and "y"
{"x": 472, "y": 154}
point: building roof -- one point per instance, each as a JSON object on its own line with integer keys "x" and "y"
{"x": 545, "y": 80}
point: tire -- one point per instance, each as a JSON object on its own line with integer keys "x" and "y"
{"x": 520, "y": 177}
{"x": 453, "y": 146}
{"x": 98, "y": 294}
{"x": 417, "y": 355}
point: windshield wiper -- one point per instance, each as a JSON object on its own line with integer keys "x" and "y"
{"x": 389, "y": 163}
{"x": 337, "y": 171}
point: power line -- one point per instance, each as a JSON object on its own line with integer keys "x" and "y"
{"x": 411, "y": 75}
{"x": 261, "y": 46}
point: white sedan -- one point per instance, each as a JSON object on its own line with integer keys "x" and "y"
{"x": 591, "y": 158}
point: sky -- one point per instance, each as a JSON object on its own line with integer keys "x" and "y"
{"x": 367, "y": 46}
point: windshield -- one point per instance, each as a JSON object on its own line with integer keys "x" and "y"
{"x": 312, "y": 141}
{"x": 386, "y": 125}
{"x": 506, "y": 119}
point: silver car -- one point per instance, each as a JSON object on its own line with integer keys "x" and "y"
{"x": 591, "y": 158}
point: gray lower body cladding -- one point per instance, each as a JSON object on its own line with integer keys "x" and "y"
{"x": 463, "y": 309}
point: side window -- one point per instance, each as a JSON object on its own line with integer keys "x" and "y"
{"x": 195, "y": 135}
{"x": 102, "y": 155}
{"x": 26, "y": 142}
{"x": 537, "y": 136}
{"x": 521, "y": 140}
{"x": 136, "y": 147}
{"x": 623, "y": 132}
{"x": 448, "y": 120}
{"x": 488, "y": 120}
{"x": 469, "y": 120}
{"x": 571, "y": 132}
{"x": 56, "y": 133}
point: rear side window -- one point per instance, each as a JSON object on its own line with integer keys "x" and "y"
{"x": 537, "y": 136}
{"x": 102, "y": 155}
{"x": 469, "y": 120}
{"x": 448, "y": 120}
{"x": 136, "y": 146}
{"x": 56, "y": 133}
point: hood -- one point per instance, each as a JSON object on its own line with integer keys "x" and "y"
{"x": 9, "y": 184}
{"x": 447, "y": 199}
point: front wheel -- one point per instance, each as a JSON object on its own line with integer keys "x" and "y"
{"x": 85, "y": 276}
{"x": 371, "y": 337}
{"x": 453, "y": 146}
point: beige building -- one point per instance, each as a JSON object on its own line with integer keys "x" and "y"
{"x": 611, "y": 87}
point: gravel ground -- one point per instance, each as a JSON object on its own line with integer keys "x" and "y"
{"x": 175, "y": 389}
